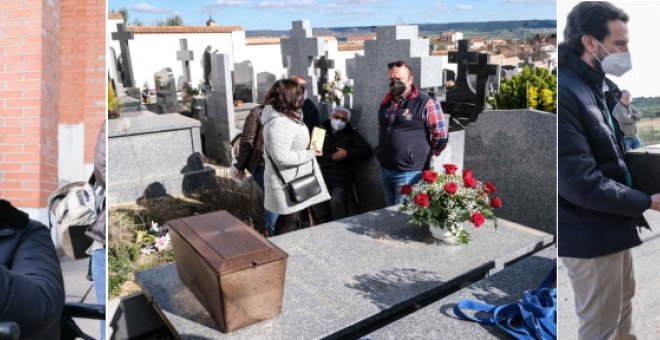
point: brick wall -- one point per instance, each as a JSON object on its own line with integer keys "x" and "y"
{"x": 82, "y": 80}
{"x": 28, "y": 97}
{"x": 52, "y": 72}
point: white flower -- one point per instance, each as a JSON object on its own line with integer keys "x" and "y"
{"x": 162, "y": 242}
{"x": 339, "y": 94}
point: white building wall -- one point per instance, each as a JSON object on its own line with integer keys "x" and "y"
{"x": 152, "y": 52}
{"x": 266, "y": 58}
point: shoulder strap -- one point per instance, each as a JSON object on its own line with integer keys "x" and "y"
{"x": 277, "y": 171}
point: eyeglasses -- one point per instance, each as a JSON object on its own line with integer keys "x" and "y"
{"x": 344, "y": 119}
{"x": 397, "y": 64}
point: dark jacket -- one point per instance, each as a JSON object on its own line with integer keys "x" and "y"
{"x": 97, "y": 230}
{"x": 251, "y": 146}
{"x": 311, "y": 116}
{"x": 403, "y": 142}
{"x": 338, "y": 173}
{"x": 598, "y": 210}
{"x": 31, "y": 284}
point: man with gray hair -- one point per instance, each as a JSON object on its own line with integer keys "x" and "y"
{"x": 628, "y": 116}
{"x": 343, "y": 149}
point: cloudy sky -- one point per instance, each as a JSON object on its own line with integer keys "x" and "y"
{"x": 278, "y": 14}
{"x": 642, "y": 80}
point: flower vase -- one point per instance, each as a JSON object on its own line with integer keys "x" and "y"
{"x": 442, "y": 235}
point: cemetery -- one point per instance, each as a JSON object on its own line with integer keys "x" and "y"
{"x": 369, "y": 275}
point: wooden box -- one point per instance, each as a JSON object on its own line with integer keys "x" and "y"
{"x": 236, "y": 274}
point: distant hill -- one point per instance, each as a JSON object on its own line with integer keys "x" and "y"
{"x": 485, "y": 29}
{"x": 649, "y": 106}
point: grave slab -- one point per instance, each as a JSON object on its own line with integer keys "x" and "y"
{"x": 154, "y": 155}
{"x": 437, "y": 320}
{"x": 350, "y": 274}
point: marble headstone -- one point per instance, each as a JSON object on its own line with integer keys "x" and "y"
{"x": 185, "y": 56}
{"x": 219, "y": 125}
{"x": 392, "y": 43}
{"x": 265, "y": 81}
{"x": 299, "y": 52}
{"x": 166, "y": 91}
{"x": 516, "y": 150}
{"x": 244, "y": 82}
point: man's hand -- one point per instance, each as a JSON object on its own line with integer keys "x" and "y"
{"x": 318, "y": 153}
{"x": 239, "y": 175}
{"x": 339, "y": 154}
{"x": 655, "y": 202}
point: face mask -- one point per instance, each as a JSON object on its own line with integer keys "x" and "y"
{"x": 305, "y": 95}
{"x": 397, "y": 88}
{"x": 615, "y": 63}
{"x": 337, "y": 124}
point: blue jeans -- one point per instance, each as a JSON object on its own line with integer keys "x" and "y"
{"x": 98, "y": 275}
{"x": 269, "y": 216}
{"x": 393, "y": 180}
{"x": 631, "y": 143}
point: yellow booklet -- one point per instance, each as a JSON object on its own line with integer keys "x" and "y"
{"x": 318, "y": 135}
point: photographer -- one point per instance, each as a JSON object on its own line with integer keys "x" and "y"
{"x": 31, "y": 284}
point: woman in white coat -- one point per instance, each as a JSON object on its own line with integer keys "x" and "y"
{"x": 286, "y": 142}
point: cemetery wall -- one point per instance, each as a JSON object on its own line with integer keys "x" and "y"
{"x": 266, "y": 58}
{"x": 153, "y": 52}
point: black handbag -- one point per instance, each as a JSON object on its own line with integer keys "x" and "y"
{"x": 301, "y": 188}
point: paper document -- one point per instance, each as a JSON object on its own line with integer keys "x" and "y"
{"x": 318, "y": 135}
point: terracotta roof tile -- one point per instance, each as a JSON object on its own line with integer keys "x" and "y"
{"x": 114, "y": 16}
{"x": 350, "y": 47}
{"x": 183, "y": 29}
{"x": 262, "y": 41}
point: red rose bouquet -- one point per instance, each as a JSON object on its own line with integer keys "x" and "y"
{"x": 447, "y": 200}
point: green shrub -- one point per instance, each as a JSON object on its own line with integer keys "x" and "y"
{"x": 533, "y": 88}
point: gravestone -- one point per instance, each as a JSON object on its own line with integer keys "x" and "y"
{"x": 219, "y": 125}
{"x": 528, "y": 63}
{"x": 166, "y": 91}
{"x": 265, "y": 80}
{"x": 323, "y": 64}
{"x": 462, "y": 58}
{"x": 244, "y": 82}
{"x": 114, "y": 75}
{"x": 368, "y": 269}
{"x": 516, "y": 150}
{"x": 299, "y": 52}
{"x": 185, "y": 56}
{"x": 128, "y": 79}
{"x": 154, "y": 155}
{"x": 371, "y": 84}
{"x": 206, "y": 65}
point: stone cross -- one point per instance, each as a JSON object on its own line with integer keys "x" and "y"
{"x": 299, "y": 51}
{"x": 462, "y": 58}
{"x": 185, "y": 56}
{"x": 323, "y": 64}
{"x": 371, "y": 84}
{"x": 123, "y": 37}
{"x": 220, "y": 126}
{"x": 528, "y": 62}
{"x": 482, "y": 70}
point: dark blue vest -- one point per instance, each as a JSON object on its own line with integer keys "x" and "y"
{"x": 403, "y": 142}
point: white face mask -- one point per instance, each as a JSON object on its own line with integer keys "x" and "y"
{"x": 305, "y": 95}
{"x": 337, "y": 124}
{"x": 615, "y": 63}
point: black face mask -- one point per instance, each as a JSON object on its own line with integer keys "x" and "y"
{"x": 397, "y": 88}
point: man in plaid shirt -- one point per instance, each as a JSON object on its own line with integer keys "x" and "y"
{"x": 412, "y": 129}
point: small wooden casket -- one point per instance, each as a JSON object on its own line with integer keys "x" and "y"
{"x": 644, "y": 165}
{"x": 236, "y": 274}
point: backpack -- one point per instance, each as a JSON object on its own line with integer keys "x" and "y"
{"x": 75, "y": 207}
